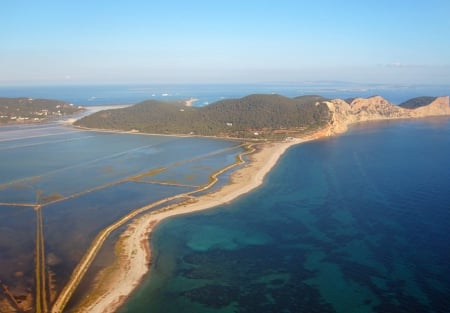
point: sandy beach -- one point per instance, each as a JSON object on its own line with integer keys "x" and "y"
{"x": 190, "y": 102}
{"x": 135, "y": 256}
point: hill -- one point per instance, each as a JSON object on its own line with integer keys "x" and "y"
{"x": 23, "y": 110}
{"x": 376, "y": 108}
{"x": 254, "y": 116}
{"x": 417, "y": 102}
{"x": 260, "y": 116}
{"x": 310, "y": 99}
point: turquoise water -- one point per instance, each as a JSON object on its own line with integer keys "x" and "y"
{"x": 356, "y": 223}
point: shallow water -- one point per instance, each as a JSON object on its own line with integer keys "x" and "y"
{"x": 356, "y": 223}
{"x": 82, "y": 182}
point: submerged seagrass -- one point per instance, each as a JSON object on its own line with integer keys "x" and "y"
{"x": 101, "y": 184}
{"x": 341, "y": 225}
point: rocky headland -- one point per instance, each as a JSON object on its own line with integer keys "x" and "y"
{"x": 344, "y": 113}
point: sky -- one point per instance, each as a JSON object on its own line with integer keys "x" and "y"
{"x": 170, "y": 41}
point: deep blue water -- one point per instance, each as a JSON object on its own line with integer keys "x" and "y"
{"x": 356, "y": 223}
{"x": 208, "y": 93}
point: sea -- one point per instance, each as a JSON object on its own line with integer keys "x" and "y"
{"x": 354, "y": 223}
{"x": 90, "y": 95}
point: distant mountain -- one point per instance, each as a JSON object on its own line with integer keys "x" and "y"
{"x": 254, "y": 116}
{"x": 23, "y": 110}
{"x": 417, "y": 102}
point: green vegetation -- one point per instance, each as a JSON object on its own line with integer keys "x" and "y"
{"x": 26, "y": 110}
{"x": 310, "y": 99}
{"x": 254, "y": 116}
{"x": 417, "y": 102}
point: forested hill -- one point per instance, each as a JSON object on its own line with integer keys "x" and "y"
{"x": 417, "y": 102}
{"x": 254, "y": 116}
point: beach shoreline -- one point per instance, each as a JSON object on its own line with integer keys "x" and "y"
{"x": 134, "y": 261}
{"x": 132, "y": 265}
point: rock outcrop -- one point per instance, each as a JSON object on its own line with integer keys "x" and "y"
{"x": 440, "y": 106}
{"x": 376, "y": 108}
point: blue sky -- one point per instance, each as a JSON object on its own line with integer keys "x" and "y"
{"x": 193, "y": 41}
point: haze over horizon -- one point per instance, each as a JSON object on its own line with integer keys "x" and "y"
{"x": 172, "y": 41}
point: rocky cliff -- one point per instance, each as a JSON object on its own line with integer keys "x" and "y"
{"x": 377, "y": 108}
{"x": 440, "y": 106}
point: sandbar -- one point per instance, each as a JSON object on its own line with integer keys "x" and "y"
{"x": 134, "y": 260}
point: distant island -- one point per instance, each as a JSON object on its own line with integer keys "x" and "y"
{"x": 260, "y": 116}
{"x": 28, "y": 110}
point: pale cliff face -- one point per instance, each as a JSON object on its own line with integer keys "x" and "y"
{"x": 377, "y": 108}
{"x": 340, "y": 113}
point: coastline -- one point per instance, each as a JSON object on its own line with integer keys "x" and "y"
{"x": 117, "y": 282}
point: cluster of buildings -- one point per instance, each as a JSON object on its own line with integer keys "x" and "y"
{"x": 10, "y": 113}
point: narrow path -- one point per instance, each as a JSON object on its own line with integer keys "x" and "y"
{"x": 88, "y": 258}
{"x": 41, "y": 279}
{"x": 17, "y": 204}
{"x": 84, "y": 264}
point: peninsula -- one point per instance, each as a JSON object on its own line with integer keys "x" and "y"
{"x": 280, "y": 121}
{"x": 251, "y": 117}
{"x": 268, "y": 117}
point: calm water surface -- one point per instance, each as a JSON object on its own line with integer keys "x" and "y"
{"x": 352, "y": 224}
{"x": 209, "y": 93}
{"x": 83, "y": 181}
{"x": 357, "y": 223}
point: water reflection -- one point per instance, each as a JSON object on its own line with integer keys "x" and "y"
{"x": 60, "y": 187}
